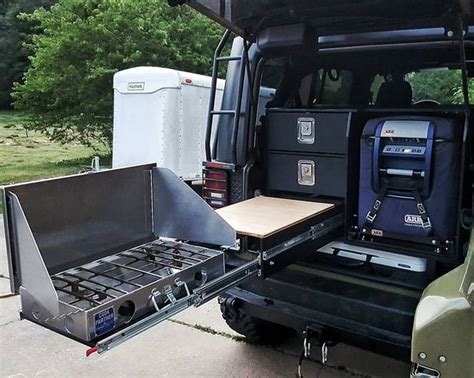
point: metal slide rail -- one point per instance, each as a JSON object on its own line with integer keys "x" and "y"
{"x": 261, "y": 266}
{"x": 198, "y": 297}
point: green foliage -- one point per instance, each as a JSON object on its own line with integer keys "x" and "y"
{"x": 80, "y": 45}
{"x": 443, "y": 86}
{"x": 13, "y": 33}
{"x": 459, "y": 96}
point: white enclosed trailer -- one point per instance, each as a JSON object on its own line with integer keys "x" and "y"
{"x": 160, "y": 117}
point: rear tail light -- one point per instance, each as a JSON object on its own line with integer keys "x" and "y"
{"x": 215, "y": 189}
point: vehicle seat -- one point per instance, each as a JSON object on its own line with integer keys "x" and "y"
{"x": 396, "y": 93}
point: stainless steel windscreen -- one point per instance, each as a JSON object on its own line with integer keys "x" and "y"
{"x": 81, "y": 218}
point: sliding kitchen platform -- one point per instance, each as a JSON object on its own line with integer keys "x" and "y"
{"x": 102, "y": 257}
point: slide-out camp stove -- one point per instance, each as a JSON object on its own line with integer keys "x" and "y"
{"x": 107, "y": 293}
{"x": 91, "y": 256}
{"x": 114, "y": 277}
{"x": 102, "y": 257}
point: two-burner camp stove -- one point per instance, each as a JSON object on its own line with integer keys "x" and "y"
{"x": 107, "y": 293}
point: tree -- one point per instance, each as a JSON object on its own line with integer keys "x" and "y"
{"x": 459, "y": 95}
{"x": 13, "y": 33}
{"x": 444, "y": 86}
{"x": 79, "y": 46}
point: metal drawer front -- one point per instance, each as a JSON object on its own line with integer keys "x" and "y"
{"x": 308, "y": 132}
{"x": 312, "y": 174}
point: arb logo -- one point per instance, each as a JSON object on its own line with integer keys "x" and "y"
{"x": 413, "y": 220}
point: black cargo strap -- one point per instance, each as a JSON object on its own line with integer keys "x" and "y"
{"x": 372, "y": 214}
{"x": 425, "y": 219}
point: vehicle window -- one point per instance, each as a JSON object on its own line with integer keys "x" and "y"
{"x": 442, "y": 86}
{"x": 334, "y": 87}
{"x": 324, "y": 87}
{"x": 375, "y": 88}
{"x": 299, "y": 87}
{"x": 273, "y": 73}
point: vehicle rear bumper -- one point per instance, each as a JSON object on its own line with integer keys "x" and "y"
{"x": 367, "y": 324}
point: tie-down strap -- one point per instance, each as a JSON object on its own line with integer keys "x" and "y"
{"x": 373, "y": 212}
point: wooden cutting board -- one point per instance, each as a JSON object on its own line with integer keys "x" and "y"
{"x": 262, "y": 216}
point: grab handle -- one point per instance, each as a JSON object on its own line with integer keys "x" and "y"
{"x": 403, "y": 172}
{"x": 168, "y": 292}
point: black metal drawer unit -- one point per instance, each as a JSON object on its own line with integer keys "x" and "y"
{"x": 311, "y": 174}
{"x": 308, "y": 132}
{"x": 306, "y": 151}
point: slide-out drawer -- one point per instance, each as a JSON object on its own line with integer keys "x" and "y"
{"x": 312, "y": 174}
{"x": 308, "y": 132}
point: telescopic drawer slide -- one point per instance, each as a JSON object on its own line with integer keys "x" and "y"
{"x": 196, "y": 298}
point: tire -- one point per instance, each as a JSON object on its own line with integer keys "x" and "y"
{"x": 255, "y": 330}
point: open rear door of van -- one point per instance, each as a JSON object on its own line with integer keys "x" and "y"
{"x": 328, "y": 17}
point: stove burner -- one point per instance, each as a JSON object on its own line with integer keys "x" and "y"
{"x": 109, "y": 278}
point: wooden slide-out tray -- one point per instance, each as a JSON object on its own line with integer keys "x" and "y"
{"x": 262, "y": 217}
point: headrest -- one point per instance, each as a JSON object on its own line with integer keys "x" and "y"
{"x": 394, "y": 94}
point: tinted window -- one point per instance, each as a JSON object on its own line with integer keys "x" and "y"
{"x": 441, "y": 85}
{"x": 323, "y": 87}
{"x": 334, "y": 87}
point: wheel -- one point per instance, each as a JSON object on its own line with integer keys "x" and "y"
{"x": 255, "y": 330}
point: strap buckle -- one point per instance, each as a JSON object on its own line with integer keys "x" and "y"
{"x": 377, "y": 204}
{"x": 370, "y": 217}
{"x": 372, "y": 214}
{"x": 426, "y": 224}
{"x": 421, "y": 208}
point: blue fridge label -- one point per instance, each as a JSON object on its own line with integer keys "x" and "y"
{"x": 104, "y": 321}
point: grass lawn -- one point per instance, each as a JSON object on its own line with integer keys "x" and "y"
{"x": 31, "y": 156}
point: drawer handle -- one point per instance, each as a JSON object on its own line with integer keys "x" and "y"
{"x": 306, "y": 172}
{"x": 306, "y": 130}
